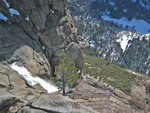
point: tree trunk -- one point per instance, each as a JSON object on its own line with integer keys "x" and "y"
{"x": 64, "y": 84}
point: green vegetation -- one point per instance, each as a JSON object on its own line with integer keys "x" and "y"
{"x": 136, "y": 58}
{"x": 66, "y": 71}
{"x": 90, "y": 51}
{"x": 109, "y": 73}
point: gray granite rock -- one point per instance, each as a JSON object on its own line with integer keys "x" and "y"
{"x": 58, "y": 104}
{"x": 39, "y": 23}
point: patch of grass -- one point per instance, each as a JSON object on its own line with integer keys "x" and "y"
{"x": 109, "y": 73}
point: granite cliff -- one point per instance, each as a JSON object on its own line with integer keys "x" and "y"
{"x": 33, "y": 33}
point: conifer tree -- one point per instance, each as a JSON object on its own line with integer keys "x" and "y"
{"x": 67, "y": 71}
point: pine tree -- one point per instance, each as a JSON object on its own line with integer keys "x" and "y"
{"x": 67, "y": 71}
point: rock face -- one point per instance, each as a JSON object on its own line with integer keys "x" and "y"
{"x": 106, "y": 99}
{"x": 36, "y": 32}
{"x": 13, "y": 90}
{"x": 33, "y": 33}
{"x": 19, "y": 98}
{"x": 90, "y": 96}
{"x": 55, "y": 104}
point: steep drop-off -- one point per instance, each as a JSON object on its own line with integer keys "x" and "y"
{"x": 33, "y": 33}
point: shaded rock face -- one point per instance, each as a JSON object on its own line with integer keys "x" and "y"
{"x": 35, "y": 34}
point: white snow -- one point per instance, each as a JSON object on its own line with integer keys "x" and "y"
{"x": 2, "y": 17}
{"x": 147, "y": 71}
{"x": 92, "y": 43}
{"x": 52, "y": 11}
{"x": 112, "y": 3}
{"x": 104, "y": 55}
{"x": 148, "y": 35}
{"x": 33, "y": 80}
{"x": 43, "y": 47}
{"x": 142, "y": 4}
{"x": 6, "y": 3}
{"x": 13, "y": 12}
{"x": 123, "y": 42}
{"x": 125, "y": 10}
{"x": 125, "y": 38}
{"x": 141, "y": 26}
{"x": 27, "y": 18}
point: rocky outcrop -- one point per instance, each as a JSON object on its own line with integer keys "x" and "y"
{"x": 19, "y": 98}
{"x": 105, "y": 99}
{"x": 36, "y": 32}
{"x": 33, "y": 33}
{"x": 90, "y": 96}
{"x": 55, "y": 104}
{"x": 13, "y": 90}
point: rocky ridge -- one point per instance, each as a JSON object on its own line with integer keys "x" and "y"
{"x": 17, "y": 97}
{"x": 90, "y": 96}
{"x": 105, "y": 99}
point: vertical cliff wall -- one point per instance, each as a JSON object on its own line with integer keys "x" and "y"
{"x": 33, "y": 33}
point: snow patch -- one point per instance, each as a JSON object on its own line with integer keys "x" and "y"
{"x": 125, "y": 10}
{"x": 52, "y": 11}
{"x": 148, "y": 35}
{"x": 27, "y": 18}
{"x": 112, "y": 3}
{"x": 13, "y": 12}
{"x": 33, "y": 80}
{"x": 123, "y": 42}
{"x": 125, "y": 38}
{"x": 92, "y": 43}
{"x": 2, "y": 17}
{"x": 7, "y": 4}
{"x": 142, "y": 4}
{"x": 141, "y": 26}
{"x": 43, "y": 47}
